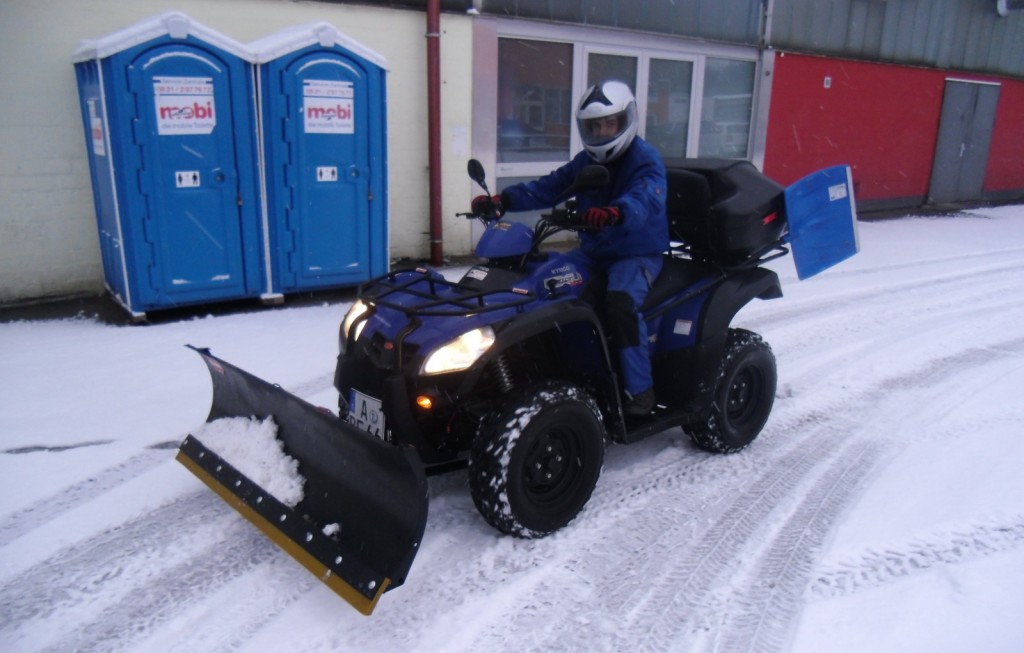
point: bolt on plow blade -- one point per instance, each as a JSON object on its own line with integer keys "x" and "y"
{"x": 360, "y": 522}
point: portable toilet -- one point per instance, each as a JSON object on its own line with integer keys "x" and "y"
{"x": 324, "y": 150}
{"x": 168, "y": 110}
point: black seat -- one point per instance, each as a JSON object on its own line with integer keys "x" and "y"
{"x": 677, "y": 274}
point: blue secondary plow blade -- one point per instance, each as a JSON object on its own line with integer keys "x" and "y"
{"x": 822, "y": 216}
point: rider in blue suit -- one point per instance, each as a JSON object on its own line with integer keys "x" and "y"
{"x": 628, "y": 225}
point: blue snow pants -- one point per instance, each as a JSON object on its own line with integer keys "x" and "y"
{"x": 629, "y": 281}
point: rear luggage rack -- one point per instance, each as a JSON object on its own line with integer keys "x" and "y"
{"x": 390, "y": 289}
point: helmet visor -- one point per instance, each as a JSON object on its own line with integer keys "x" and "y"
{"x": 604, "y": 129}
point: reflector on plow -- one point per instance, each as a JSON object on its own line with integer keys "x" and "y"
{"x": 370, "y": 496}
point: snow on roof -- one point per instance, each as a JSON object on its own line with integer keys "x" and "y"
{"x": 173, "y": 23}
{"x": 297, "y": 37}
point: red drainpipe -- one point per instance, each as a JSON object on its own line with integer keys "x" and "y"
{"x": 434, "y": 128}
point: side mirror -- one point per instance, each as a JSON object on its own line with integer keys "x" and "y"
{"x": 591, "y": 177}
{"x": 476, "y": 173}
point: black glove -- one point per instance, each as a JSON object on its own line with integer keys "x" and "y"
{"x": 486, "y": 206}
{"x": 600, "y": 217}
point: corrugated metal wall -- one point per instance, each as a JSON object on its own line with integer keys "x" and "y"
{"x": 733, "y": 21}
{"x": 948, "y": 34}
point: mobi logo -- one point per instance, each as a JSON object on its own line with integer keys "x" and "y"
{"x": 184, "y": 106}
{"x": 195, "y": 111}
{"x": 328, "y": 116}
{"x": 328, "y": 107}
{"x": 338, "y": 112}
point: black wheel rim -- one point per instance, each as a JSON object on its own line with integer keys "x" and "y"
{"x": 550, "y": 470}
{"x": 743, "y": 401}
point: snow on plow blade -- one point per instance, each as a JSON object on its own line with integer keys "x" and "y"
{"x": 375, "y": 493}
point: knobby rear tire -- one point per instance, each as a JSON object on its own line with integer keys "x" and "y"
{"x": 743, "y": 396}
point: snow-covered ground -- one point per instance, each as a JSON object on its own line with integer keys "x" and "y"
{"x": 882, "y": 509}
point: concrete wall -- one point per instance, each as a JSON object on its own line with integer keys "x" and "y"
{"x": 48, "y": 240}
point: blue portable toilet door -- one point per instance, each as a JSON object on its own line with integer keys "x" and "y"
{"x": 194, "y": 214}
{"x": 94, "y": 119}
{"x": 326, "y": 239}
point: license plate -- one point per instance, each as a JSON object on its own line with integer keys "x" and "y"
{"x": 364, "y": 412}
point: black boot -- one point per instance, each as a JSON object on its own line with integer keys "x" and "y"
{"x": 641, "y": 403}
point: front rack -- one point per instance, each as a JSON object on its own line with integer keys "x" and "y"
{"x": 428, "y": 301}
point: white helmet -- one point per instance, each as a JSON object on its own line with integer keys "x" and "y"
{"x": 607, "y": 100}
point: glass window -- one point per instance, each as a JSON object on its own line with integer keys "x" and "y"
{"x": 668, "y": 106}
{"x": 726, "y": 107}
{"x": 534, "y": 100}
{"x": 601, "y": 67}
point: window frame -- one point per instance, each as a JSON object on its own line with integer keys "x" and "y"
{"x": 487, "y": 31}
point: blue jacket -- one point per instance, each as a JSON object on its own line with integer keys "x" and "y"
{"x": 637, "y": 187}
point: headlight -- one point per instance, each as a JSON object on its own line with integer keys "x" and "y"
{"x": 354, "y": 313}
{"x": 460, "y": 353}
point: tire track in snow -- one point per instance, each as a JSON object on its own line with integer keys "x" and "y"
{"x": 859, "y": 300}
{"x": 918, "y": 328}
{"x": 639, "y": 493}
{"x": 678, "y": 541}
{"x": 833, "y": 336}
{"x": 104, "y": 569}
{"x": 50, "y": 508}
{"x": 868, "y": 326}
{"x": 145, "y": 607}
{"x": 668, "y": 474}
{"x": 875, "y": 567}
{"x": 686, "y": 592}
{"x": 124, "y": 583}
{"x": 244, "y": 606}
{"x": 503, "y": 570}
{"x": 46, "y": 510}
{"x": 684, "y": 499}
{"x": 988, "y": 260}
{"x": 776, "y": 591}
{"x": 116, "y": 588}
{"x": 103, "y": 561}
{"x": 778, "y": 587}
{"x": 677, "y": 608}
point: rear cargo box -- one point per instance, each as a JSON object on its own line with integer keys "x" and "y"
{"x": 723, "y": 209}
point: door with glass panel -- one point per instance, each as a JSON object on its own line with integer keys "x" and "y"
{"x": 535, "y": 112}
{"x": 689, "y": 105}
{"x": 726, "y": 108}
{"x": 668, "y": 106}
{"x": 664, "y": 90}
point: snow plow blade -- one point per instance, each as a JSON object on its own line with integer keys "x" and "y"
{"x": 822, "y": 215}
{"x": 375, "y": 493}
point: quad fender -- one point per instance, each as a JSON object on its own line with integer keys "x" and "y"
{"x": 683, "y": 377}
{"x": 574, "y": 329}
{"x": 735, "y": 292}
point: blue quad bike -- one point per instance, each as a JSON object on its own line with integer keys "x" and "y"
{"x": 508, "y": 371}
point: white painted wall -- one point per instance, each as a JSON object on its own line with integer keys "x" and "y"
{"x": 48, "y": 241}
